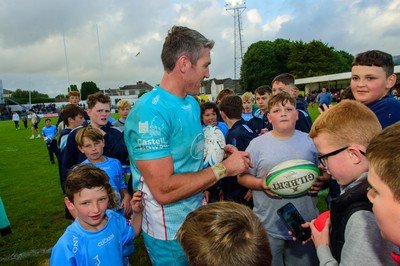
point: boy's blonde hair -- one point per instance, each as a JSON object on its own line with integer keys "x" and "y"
{"x": 347, "y": 123}
{"x": 247, "y": 97}
{"x": 89, "y": 132}
{"x": 282, "y": 98}
{"x": 383, "y": 154}
{"x": 88, "y": 176}
{"x": 122, "y": 104}
{"x": 224, "y": 233}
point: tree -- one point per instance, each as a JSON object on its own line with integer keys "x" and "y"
{"x": 312, "y": 59}
{"x": 345, "y": 60}
{"x": 60, "y": 96}
{"x": 263, "y": 61}
{"x": 23, "y": 96}
{"x": 73, "y": 87}
{"x": 141, "y": 93}
{"x": 18, "y": 93}
{"x": 87, "y": 88}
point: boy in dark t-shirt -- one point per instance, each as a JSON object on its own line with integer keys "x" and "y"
{"x": 239, "y": 135}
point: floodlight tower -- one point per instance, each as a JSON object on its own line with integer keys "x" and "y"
{"x": 236, "y": 8}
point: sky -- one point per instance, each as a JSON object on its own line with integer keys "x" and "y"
{"x": 46, "y": 45}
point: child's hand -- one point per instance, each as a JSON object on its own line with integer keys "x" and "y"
{"x": 320, "y": 238}
{"x": 306, "y": 225}
{"x": 125, "y": 204}
{"x": 319, "y": 184}
{"x": 249, "y": 195}
{"x": 266, "y": 188}
{"x": 136, "y": 202}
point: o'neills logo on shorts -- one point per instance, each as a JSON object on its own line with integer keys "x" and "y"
{"x": 106, "y": 240}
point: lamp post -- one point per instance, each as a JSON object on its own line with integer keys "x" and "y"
{"x": 236, "y": 8}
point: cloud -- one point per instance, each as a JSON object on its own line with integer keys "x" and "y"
{"x": 32, "y": 44}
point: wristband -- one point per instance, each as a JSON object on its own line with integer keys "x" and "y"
{"x": 219, "y": 171}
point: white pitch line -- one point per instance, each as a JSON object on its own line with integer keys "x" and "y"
{"x": 31, "y": 253}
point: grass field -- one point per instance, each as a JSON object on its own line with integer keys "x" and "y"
{"x": 32, "y": 196}
{"x": 31, "y": 193}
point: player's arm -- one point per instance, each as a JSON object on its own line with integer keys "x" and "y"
{"x": 168, "y": 187}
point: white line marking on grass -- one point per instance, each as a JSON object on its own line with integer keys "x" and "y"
{"x": 31, "y": 253}
{"x": 10, "y": 149}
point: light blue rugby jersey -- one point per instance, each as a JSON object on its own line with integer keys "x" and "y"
{"x": 160, "y": 125}
{"x": 113, "y": 169}
{"x": 108, "y": 246}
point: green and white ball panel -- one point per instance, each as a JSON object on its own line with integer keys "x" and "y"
{"x": 292, "y": 178}
{"x": 213, "y": 146}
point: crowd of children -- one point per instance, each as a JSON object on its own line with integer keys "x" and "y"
{"x": 242, "y": 227}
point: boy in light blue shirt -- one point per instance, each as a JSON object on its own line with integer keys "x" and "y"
{"x": 91, "y": 142}
{"x": 49, "y": 134}
{"x": 98, "y": 236}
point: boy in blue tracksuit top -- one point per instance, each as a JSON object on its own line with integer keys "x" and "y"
{"x": 239, "y": 135}
{"x": 99, "y": 109}
{"x": 49, "y": 134}
{"x": 91, "y": 143}
{"x": 98, "y": 236}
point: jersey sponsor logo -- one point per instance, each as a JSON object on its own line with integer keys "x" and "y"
{"x": 97, "y": 260}
{"x": 150, "y": 130}
{"x": 75, "y": 244}
{"x": 197, "y": 147}
{"x": 105, "y": 240}
{"x": 143, "y": 127}
{"x": 156, "y": 99}
{"x": 186, "y": 107}
{"x": 152, "y": 144}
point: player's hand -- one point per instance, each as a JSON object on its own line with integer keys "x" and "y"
{"x": 229, "y": 149}
{"x": 136, "y": 202}
{"x": 237, "y": 162}
{"x": 320, "y": 238}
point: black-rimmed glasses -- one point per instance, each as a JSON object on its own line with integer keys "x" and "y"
{"x": 324, "y": 158}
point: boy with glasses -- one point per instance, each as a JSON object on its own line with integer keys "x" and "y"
{"x": 351, "y": 235}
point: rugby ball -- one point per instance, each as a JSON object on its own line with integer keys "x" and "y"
{"x": 292, "y": 178}
{"x": 214, "y": 143}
